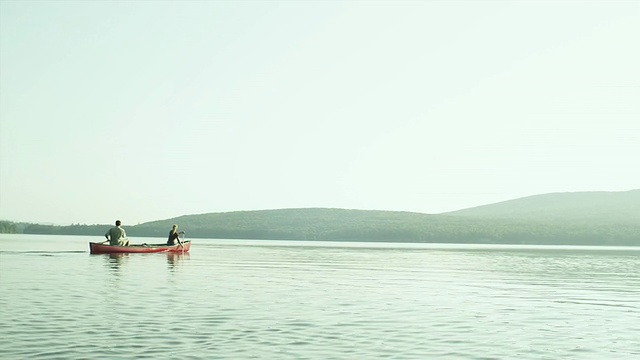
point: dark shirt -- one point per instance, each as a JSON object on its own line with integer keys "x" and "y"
{"x": 173, "y": 236}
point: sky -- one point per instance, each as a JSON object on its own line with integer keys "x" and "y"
{"x": 149, "y": 110}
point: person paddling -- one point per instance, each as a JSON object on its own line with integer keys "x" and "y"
{"x": 117, "y": 236}
{"x": 174, "y": 236}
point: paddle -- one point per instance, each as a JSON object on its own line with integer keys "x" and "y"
{"x": 179, "y": 242}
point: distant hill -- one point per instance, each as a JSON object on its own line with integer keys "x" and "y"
{"x": 300, "y": 224}
{"x": 617, "y": 207}
{"x": 586, "y": 218}
{"x": 595, "y": 218}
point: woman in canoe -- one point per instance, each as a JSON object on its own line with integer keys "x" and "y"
{"x": 174, "y": 236}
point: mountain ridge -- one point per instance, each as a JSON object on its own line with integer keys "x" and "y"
{"x": 593, "y": 205}
{"x": 578, "y": 218}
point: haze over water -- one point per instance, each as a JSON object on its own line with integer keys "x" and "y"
{"x": 315, "y": 300}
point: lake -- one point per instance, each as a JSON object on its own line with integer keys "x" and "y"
{"x": 241, "y": 299}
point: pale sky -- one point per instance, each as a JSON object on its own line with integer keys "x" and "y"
{"x": 148, "y": 110}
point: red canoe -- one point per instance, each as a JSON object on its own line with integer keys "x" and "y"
{"x": 100, "y": 248}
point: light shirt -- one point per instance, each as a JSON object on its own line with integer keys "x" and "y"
{"x": 116, "y": 234}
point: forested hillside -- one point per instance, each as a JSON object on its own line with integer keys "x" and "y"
{"x": 599, "y": 218}
{"x": 362, "y": 225}
{"x": 614, "y": 207}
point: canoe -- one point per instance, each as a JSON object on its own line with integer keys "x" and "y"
{"x": 99, "y": 248}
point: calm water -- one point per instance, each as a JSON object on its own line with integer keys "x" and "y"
{"x": 306, "y": 300}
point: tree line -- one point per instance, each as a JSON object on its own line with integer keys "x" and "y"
{"x": 367, "y": 225}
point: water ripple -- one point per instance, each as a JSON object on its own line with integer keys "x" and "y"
{"x": 296, "y": 302}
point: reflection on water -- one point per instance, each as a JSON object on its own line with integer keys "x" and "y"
{"x": 361, "y": 301}
{"x": 174, "y": 259}
{"x": 115, "y": 261}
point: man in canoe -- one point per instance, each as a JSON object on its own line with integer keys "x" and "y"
{"x": 117, "y": 236}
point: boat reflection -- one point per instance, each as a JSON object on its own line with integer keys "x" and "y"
{"x": 115, "y": 261}
{"x": 173, "y": 259}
